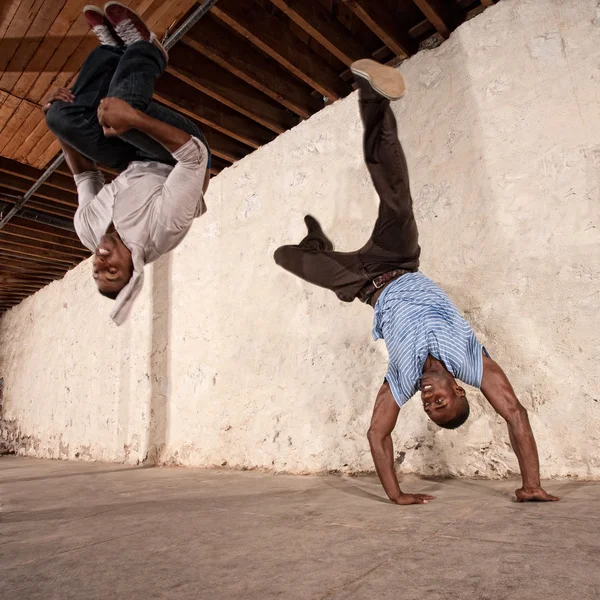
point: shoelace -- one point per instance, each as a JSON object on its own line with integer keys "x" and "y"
{"x": 128, "y": 32}
{"x": 105, "y": 35}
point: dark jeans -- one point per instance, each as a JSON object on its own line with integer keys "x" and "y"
{"x": 129, "y": 74}
{"x": 394, "y": 243}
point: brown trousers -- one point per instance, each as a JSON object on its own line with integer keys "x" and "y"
{"x": 394, "y": 243}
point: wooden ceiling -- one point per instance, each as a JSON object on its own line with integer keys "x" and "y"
{"x": 248, "y": 71}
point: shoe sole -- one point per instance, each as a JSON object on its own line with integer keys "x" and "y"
{"x": 93, "y": 8}
{"x": 386, "y": 81}
{"x": 153, "y": 38}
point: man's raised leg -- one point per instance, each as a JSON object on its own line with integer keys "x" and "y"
{"x": 394, "y": 242}
{"x": 315, "y": 261}
{"x": 143, "y": 62}
{"x": 76, "y": 123}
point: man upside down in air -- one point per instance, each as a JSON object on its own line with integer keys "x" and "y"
{"x": 109, "y": 118}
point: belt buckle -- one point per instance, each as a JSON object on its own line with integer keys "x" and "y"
{"x": 379, "y": 282}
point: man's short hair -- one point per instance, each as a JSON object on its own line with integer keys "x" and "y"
{"x": 459, "y": 419}
{"x": 111, "y": 295}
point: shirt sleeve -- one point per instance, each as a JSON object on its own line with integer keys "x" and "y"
{"x": 467, "y": 363}
{"x": 88, "y": 185}
{"x": 182, "y": 198}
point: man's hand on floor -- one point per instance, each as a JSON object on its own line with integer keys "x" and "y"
{"x": 116, "y": 116}
{"x": 534, "y": 495}
{"x": 405, "y": 499}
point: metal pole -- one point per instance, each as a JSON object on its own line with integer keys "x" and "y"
{"x": 32, "y": 215}
{"x": 168, "y": 44}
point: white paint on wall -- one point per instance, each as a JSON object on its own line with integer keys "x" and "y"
{"x": 230, "y": 360}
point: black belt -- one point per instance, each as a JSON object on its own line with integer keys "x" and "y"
{"x": 367, "y": 292}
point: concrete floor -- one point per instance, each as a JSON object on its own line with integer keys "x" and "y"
{"x": 87, "y": 531}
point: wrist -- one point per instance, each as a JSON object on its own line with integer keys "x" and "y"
{"x": 138, "y": 120}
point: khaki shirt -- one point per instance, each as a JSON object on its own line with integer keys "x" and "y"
{"x": 152, "y": 207}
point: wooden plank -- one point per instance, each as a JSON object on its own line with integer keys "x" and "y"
{"x": 36, "y": 235}
{"x": 32, "y": 140}
{"x": 70, "y": 12}
{"x": 320, "y": 24}
{"x": 13, "y": 270}
{"x": 44, "y": 228}
{"x": 381, "y": 22}
{"x": 274, "y": 38}
{"x": 160, "y": 14}
{"x": 218, "y": 164}
{"x": 16, "y": 284}
{"x": 10, "y": 104}
{"x": 57, "y": 180}
{"x": 213, "y": 40}
{"x": 441, "y": 14}
{"x": 65, "y": 254}
{"x": 65, "y": 62}
{"x": 16, "y": 30}
{"x": 15, "y": 122}
{"x": 224, "y": 147}
{"x": 43, "y": 254}
{"x": 26, "y": 127}
{"x": 198, "y": 71}
{"x": 178, "y": 95}
{"x": 13, "y": 182}
{"x": 41, "y": 205}
{"x": 30, "y": 43}
{"x": 8, "y": 8}
{"x": 42, "y": 145}
{"x": 43, "y": 161}
{"x": 28, "y": 265}
{"x": 70, "y": 54}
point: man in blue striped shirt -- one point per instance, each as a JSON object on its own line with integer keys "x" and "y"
{"x": 429, "y": 343}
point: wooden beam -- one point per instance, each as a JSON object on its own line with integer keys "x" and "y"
{"x": 218, "y": 164}
{"x": 17, "y": 262}
{"x": 29, "y": 233}
{"x": 188, "y": 100}
{"x": 487, "y": 3}
{"x": 382, "y": 23}
{"x": 14, "y": 182}
{"x": 40, "y": 254}
{"x": 225, "y": 148}
{"x": 213, "y": 40}
{"x": 72, "y": 254}
{"x": 62, "y": 182}
{"x": 44, "y": 228}
{"x": 44, "y": 206}
{"x": 441, "y": 14}
{"x": 198, "y": 71}
{"x": 274, "y": 38}
{"x": 320, "y": 24}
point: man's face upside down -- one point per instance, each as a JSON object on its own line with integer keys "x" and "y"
{"x": 112, "y": 265}
{"x": 444, "y": 401}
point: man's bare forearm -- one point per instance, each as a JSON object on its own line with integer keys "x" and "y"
{"x": 167, "y": 135}
{"x": 382, "y": 451}
{"x": 524, "y": 446}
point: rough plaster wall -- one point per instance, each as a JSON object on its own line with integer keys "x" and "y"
{"x": 230, "y": 360}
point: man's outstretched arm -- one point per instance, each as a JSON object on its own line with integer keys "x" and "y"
{"x": 500, "y": 394}
{"x": 383, "y": 421}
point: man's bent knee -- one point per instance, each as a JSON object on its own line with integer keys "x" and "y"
{"x": 57, "y": 119}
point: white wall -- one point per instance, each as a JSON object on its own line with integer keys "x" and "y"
{"x": 229, "y": 359}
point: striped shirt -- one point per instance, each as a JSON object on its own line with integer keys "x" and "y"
{"x": 416, "y": 319}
